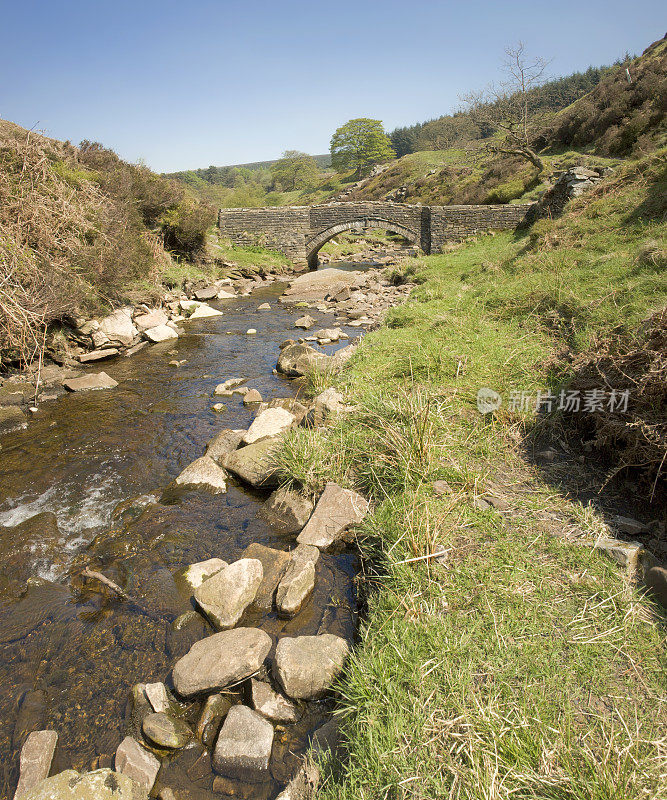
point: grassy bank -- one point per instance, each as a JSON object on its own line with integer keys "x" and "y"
{"x": 519, "y": 663}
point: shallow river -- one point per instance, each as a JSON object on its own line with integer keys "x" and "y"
{"x": 102, "y": 463}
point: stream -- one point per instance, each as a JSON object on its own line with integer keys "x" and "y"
{"x": 88, "y": 482}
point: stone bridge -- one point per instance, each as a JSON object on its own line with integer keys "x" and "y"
{"x": 300, "y": 231}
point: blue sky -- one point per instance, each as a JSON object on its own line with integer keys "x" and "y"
{"x": 188, "y": 84}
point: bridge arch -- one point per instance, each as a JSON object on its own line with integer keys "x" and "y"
{"x": 314, "y": 245}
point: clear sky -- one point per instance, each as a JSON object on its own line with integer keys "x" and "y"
{"x": 192, "y": 83}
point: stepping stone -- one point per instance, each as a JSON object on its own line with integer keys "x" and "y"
{"x": 244, "y": 746}
{"x": 226, "y": 595}
{"x": 254, "y": 463}
{"x": 336, "y": 511}
{"x": 268, "y": 424}
{"x": 204, "y": 472}
{"x": 221, "y": 660}
{"x": 35, "y": 760}
{"x": 306, "y": 666}
{"x": 90, "y": 382}
{"x": 286, "y": 510}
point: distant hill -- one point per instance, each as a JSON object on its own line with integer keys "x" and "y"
{"x": 220, "y": 175}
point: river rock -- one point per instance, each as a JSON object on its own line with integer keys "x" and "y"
{"x": 166, "y": 731}
{"x": 244, "y": 746}
{"x": 328, "y": 403}
{"x": 98, "y": 355}
{"x": 264, "y": 307}
{"x": 137, "y": 763}
{"x": 300, "y": 359}
{"x": 226, "y": 595}
{"x": 103, "y": 784}
{"x": 306, "y": 666}
{"x": 298, "y": 581}
{"x": 100, "y": 339}
{"x": 304, "y": 785}
{"x": 35, "y": 760}
{"x": 153, "y": 319}
{"x": 223, "y": 443}
{"x": 286, "y": 510}
{"x": 90, "y": 382}
{"x": 269, "y": 424}
{"x": 215, "y": 709}
{"x": 329, "y": 334}
{"x": 160, "y": 333}
{"x": 12, "y": 419}
{"x": 226, "y": 294}
{"x": 204, "y": 472}
{"x": 204, "y": 311}
{"x": 119, "y": 327}
{"x": 209, "y": 293}
{"x": 254, "y": 463}
{"x": 197, "y": 573}
{"x": 341, "y": 357}
{"x": 274, "y": 563}
{"x": 306, "y": 322}
{"x": 326, "y": 737}
{"x": 270, "y": 704}
{"x": 317, "y": 284}
{"x": 220, "y": 660}
{"x": 157, "y": 696}
{"x": 251, "y": 396}
{"x": 336, "y": 510}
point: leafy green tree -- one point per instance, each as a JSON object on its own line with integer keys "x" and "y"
{"x": 295, "y": 170}
{"x": 359, "y": 145}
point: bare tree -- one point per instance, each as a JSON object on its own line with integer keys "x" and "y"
{"x": 508, "y": 108}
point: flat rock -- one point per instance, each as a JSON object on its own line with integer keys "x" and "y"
{"x": 204, "y": 472}
{"x": 270, "y": 704}
{"x": 12, "y": 419}
{"x": 152, "y": 319}
{"x": 35, "y": 760}
{"x": 268, "y": 424}
{"x": 203, "y": 311}
{"x": 223, "y": 443}
{"x": 90, "y": 382}
{"x": 274, "y": 563}
{"x": 330, "y": 334}
{"x": 298, "y": 581}
{"x": 306, "y": 666}
{"x": 98, "y": 355}
{"x": 336, "y": 510}
{"x": 306, "y": 322}
{"x": 119, "y": 327}
{"x": 221, "y": 660}
{"x": 316, "y": 285}
{"x": 209, "y": 293}
{"x": 137, "y": 763}
{"x": 254, "y": 463}
{"x": 103, "y": 784}
{"x": 197, "y": 573}
{"x": 157, "y": 696}
{"x": 286, "y": 510}
{"x": 244, "y": 746}
{"x": 160, "y": 333}
{"x": 225, "y": 596}
{"x": 166, "y": 731}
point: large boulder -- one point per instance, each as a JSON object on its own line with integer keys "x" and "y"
{"x": 306, "y": 666}
{"x": 204, "y": 472}
{"x": 226, "y": 595}
{"x": 90, "y": 382}
{"x": 103, "y": 784}
{"x": 137, "y": 763}
{"x": 35, "y": 760}
{"x": 223, "y": 443}
{"x": 274, "y": 563}
{"x": 160, "y": 333}
{"x": 270, "y": 704}
{"x": 300, "y": 359}
{"x": 254, "y": 463}
{"x": 286, "y": 510}
{"x": 220, "y": 660}
{"x": 243, "y": 749}
{"x": 119, "y": 327}
{"x": 336, "y": 510}
{"x": 298, "y": 581}
{"x": 268, "y": 424}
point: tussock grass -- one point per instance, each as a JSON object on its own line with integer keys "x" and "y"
{"x": 496, "y": 659}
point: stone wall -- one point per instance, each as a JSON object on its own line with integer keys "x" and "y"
{"x": 300, "y": 231}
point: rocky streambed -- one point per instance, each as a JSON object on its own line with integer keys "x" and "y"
{"x": 167, "y": 611}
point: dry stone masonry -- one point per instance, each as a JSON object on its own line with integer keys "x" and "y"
{"x": 300, "y": 231}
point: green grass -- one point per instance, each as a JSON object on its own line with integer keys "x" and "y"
{"x": 519, "y": 665}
